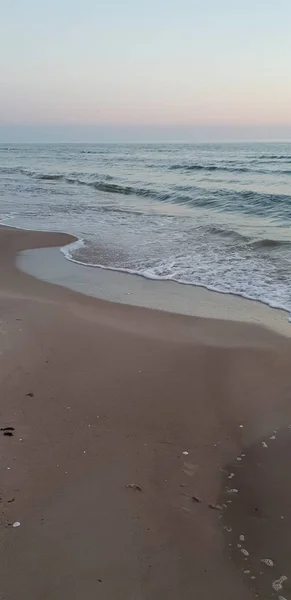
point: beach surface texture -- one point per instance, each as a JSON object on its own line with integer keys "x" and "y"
{"x": 144, "y": 453}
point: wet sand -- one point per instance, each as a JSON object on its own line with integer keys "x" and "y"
{"x": 50, "y": 264}
{"x": 101, "y": 396}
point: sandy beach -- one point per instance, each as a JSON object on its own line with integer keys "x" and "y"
{"x": 149, "y": 455}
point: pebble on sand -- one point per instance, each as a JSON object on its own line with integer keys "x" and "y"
{"x": 197, "y": 499}
{"x": 134, "y": 486}
{"x": 215, "y": 506}
{"x": 16, "y": 524}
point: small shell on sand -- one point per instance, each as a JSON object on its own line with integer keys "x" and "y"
{"x": 245, "y": 552}
{"x": 264, "y": 445}
{"x": 277, "y": 584}
{"x": 242, "y": 538}
{"x": 16, "y": 524}
{"x": 268, "y": 561}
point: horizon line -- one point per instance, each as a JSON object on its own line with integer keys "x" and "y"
{"x": 165, "y": 141}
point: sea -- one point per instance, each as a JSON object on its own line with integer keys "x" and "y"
{"x": 213, "y": 215}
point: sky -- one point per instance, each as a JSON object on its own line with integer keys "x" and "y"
{"x": 86, "y": 70}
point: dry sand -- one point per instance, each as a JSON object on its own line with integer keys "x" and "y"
{"x": 102, "y": 396}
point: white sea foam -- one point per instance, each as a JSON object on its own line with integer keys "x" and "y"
{"x": 69, "y": 249}
{"x": 153, "y": 275}
{"x": 147, "y": 212}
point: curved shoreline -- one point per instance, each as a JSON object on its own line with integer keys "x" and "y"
{"x": 157, "y": 278}
{"x": 80, "y": 241}
{"x": 50, "y": 265}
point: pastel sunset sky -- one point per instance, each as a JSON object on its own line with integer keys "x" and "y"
{"x": 125, "y": 65}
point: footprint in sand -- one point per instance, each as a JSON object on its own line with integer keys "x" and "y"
{"x": 190, "y": 469}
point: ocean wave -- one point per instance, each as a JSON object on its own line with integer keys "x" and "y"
{"x": 219, "y": 199}
{"x": 274, "y": 157}
{"x": 250, "y": 202}
{"x": 12, "y": 170}
{"x": 266, "y": 243}
{"x": 276, "y": 206}
{"x": 226, "y": 233}
{"x": 156, "y": 274}
{"x": 49, "y": 177}
{"x": 114, "y": 188}
{"x": 198, "y": 167}
{"x": 96, "y": 181}
{"x": 126, "y": 190}
{"x": 99, "y": 151}
{"x": 229, "y": 169}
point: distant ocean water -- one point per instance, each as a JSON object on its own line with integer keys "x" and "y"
{"x": 216, "y": 215}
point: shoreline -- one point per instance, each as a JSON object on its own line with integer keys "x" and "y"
{"x": 262, "y": 309}
{"x": 50, "y": 265}
{"x": 126, "y": 425}
{"x": 165, "y": 280}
